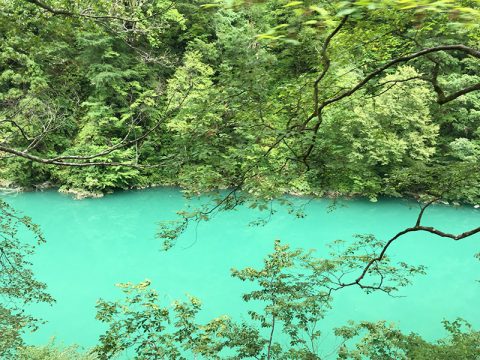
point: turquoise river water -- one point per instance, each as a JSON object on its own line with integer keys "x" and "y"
{"x": 94, "y": 243}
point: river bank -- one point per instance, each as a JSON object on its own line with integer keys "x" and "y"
{"x": 80, "y": 194}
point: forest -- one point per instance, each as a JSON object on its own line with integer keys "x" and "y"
{"x": 246, "y": 102}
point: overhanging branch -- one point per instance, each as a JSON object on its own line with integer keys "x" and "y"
{"x": 442, "y": 98}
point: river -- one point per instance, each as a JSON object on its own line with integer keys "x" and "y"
{"x": 94, "y": 243}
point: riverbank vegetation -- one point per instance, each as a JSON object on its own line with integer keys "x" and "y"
{"x": 363, "y": 97}
{"x": 265, "y": 98}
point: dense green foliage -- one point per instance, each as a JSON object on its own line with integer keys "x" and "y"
{"x": 293, "y": 290}
{"x": 358, "y": 97}
{"x": 211, "y": 96}
{"x": 53, "y": 351}
{"x": 290, "y": 295}
{"x": 383, "y": 341}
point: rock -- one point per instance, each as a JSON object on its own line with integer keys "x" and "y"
{"x": 81, "y": 194}
{"x": 10, "y": 187}
{"x": 44, "y": 186}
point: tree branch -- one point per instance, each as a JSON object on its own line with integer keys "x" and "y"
{"x": 63, "y": 12}
{"x": 326, "y": 64}
{"x": 462, "y": 48}
{"x": 60, "y": 160}
{"x": 54, "y": 161}
{"x": 415, "y": 228}
{"x": 319, "y": 107}
{"x": 453, "y": 96}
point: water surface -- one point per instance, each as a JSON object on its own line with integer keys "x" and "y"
{"x": 94, "y": 243}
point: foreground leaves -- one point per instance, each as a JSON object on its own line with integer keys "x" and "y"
{"x": 291, "y": 294}
{"x": 18, "y": 285}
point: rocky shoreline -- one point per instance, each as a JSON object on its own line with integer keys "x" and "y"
{"x": 80, "y": 194}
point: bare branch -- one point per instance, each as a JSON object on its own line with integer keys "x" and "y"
{"x": 415, "y": 228}
{"x": 423, "y": 208}
{"x": 403, "y": 59}
{"x": 53, "y": 161}
{"x": 50, "y": 9}
{"x": 63, "y": 12}
{"x": 60, "y": 160}
{"x": 326, "y": 64}
{"x": 462, "y": 48}
{"x": 445, "y": 99}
